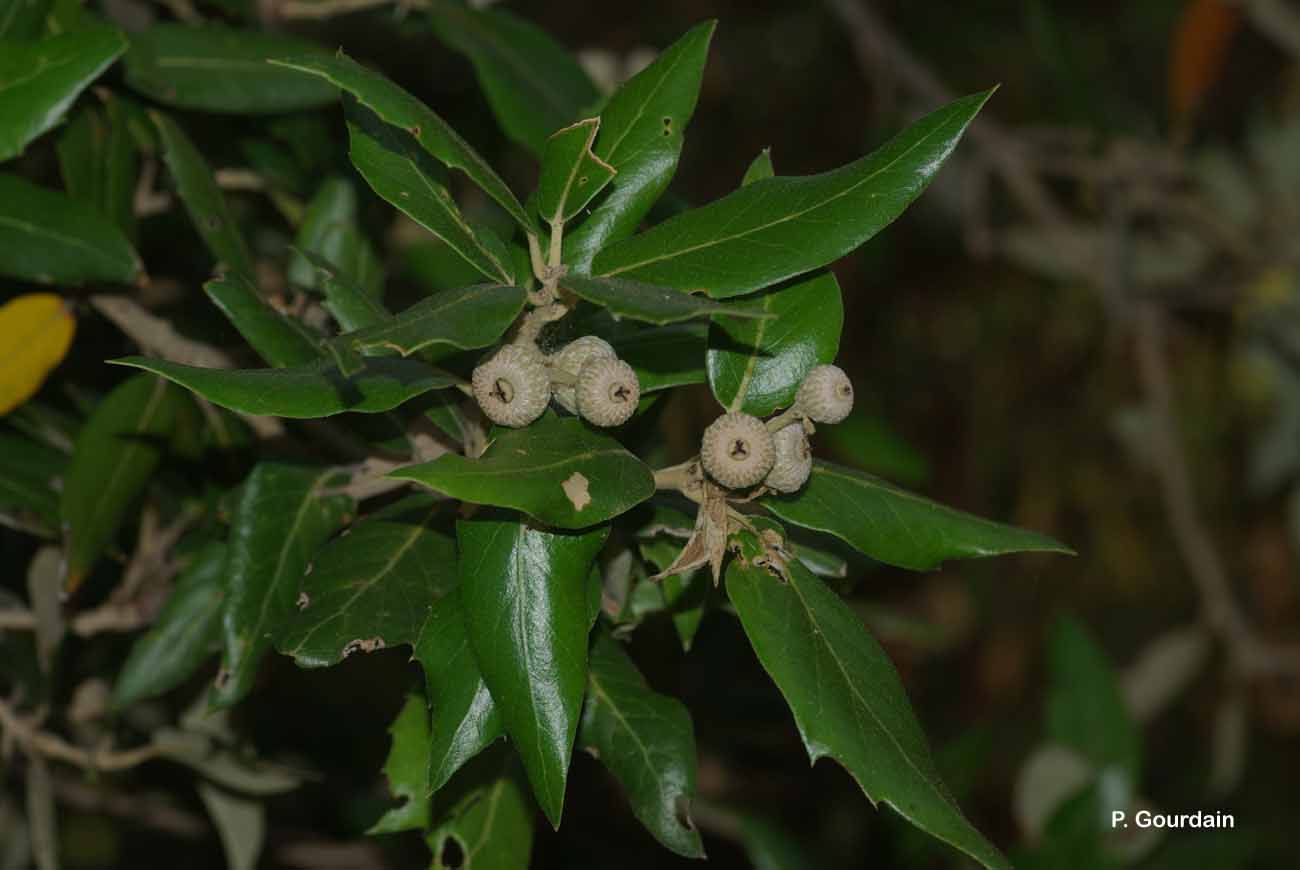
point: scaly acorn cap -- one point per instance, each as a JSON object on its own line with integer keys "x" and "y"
{"x": 571, "y": 358}
{"x": 512, "y": 386}
{"x": 793, "y": 460}
{"x": 607, "y": 392}
{"x": 737, "y": 450}
{"x": 826, "y": 394}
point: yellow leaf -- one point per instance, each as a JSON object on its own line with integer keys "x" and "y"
{"x": 35, "y": 333}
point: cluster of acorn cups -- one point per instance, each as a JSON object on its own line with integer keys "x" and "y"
{"x": 515, "y": 384}
{"x": 740, "y": 450}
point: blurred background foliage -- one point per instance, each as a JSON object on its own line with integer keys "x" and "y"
{"x": 1120, "y": 370}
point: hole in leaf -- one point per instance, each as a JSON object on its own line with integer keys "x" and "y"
{"x": 668, "y": 126}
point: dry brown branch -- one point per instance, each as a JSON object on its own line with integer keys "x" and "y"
{"x": 54, "y": 748}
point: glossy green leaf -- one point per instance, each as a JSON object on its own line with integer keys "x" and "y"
{"x": 98, "y": 162}
{"x": 559, "y": 471}
{"x": 51, "y": 238}
{"x": 23, "y": 19}
{"x": 646, "y": 740}
{"x": 641, "y": 132}
{"x": 525, "y": 592}
{"x": 847, "y": 699}
{"x": 777, "y": 228}
{"x": 533, "y": 85}
{"x": 329, "y": 232}
{"x": 203, "y": 199}
{"x": 395, "y": 106}
{"x": 571, "y": 174}
{"x": 461, "y": 319}
{"x": 304, "y": 391}
{"x": 1085, "y": 707}
{"x": 371, "y": 588}
{"x": 435, "y": 266}
{"x": 465, "y": 718}
{"x": 114, "y": 458}
{"x": 651, "y": 304}
{"x": 756, "y": 366}
{"x": 284, "y": 515}
{"x": 760, "y": 168}
{"x": 28, "y": 472}
{"x": 217, "y": 69}
{"x": 408, "y": 760}
{"x": 490, "y": 820}
{"x": 186, "y": 632}
{"x": 404, "y": 174}
{"x": 895, "y": 526}
{"x": 666, "y": 356}
{"x": 280, "y": 340}
{"x": 354, "y": 305}
{"x": 40, "y": 80}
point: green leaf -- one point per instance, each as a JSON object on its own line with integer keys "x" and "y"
{"x": 408, "y": 760}
{"x": 186, "y": 632}
{"x": 283, "y": 517}
{"x": 97, "y": 160}
{"x": 395, "y": 106}
{"x": 756, "y": 366}
{"x": 652, "y": 304}
{"x": 304, "y": 391}
{"x": 780, "y": 227}
{"x": 28, "y": 473}
{"x": 203, "y": 199}
{"x": 23, "y": 19}
{"x": 490, "y": 820}
{"x": 760, "y": 168}
{"x": 461, "y": 319}
{"x": 51, "y": 238}
{"x": 558, "y": 471}
{"x": 352, "y": 305}
{"x": 641, "y": 133}
{"x": 895, "y": 526}
{"x": 465, "y": 718}
{"x": 40, "y": 80}
{"x": 404, "y": 174}
{"x": 682, "y": 595}
{"x": 217, "y": 69}
{"x": 1085, "y": 707}
{"x": 113, "y": 460}
{"x": 571, "y": 174}
{"x": 646, "y": 740}
{"x": 525, "y": 593}
{"x": 847, "y": 699}
{"x": 666, "y": 356}
{"x": 533, "y": 85}
{"x": 240, "y": 823}
{"x": 371, "y": 588}
{"x": 329, "y": 233}
{"x": 280, "y": 340}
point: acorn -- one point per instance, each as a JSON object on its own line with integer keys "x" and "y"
{"x": 826, "y": 394}
{"x": 570, "y": 359}
{"x": 607, "y": 392}
{"x": 793, "y": 461}
{"x": 737, "y": 450}
{"x": 512, "y": 386}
